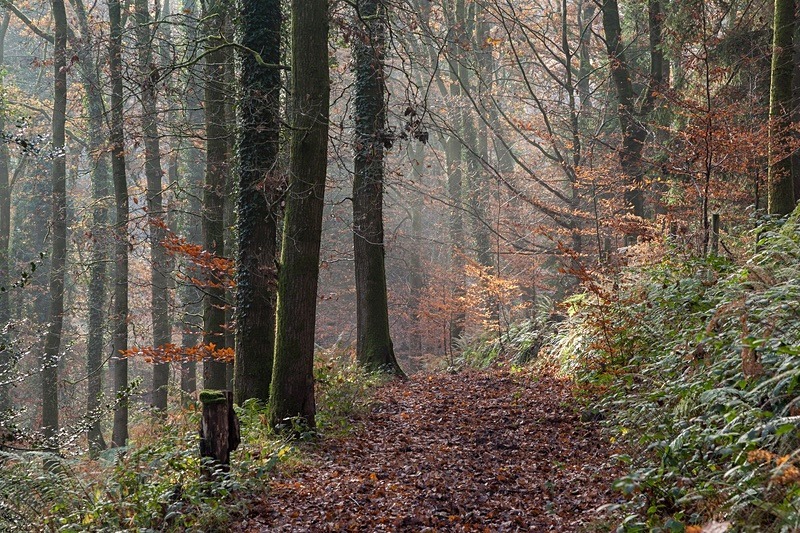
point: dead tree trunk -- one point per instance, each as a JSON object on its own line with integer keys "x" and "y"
{"x": 219, "y": 432}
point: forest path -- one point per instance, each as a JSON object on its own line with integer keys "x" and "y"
{"x": 475, "y": 451}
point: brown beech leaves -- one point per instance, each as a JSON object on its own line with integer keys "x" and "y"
{"x": 489, "y": 451}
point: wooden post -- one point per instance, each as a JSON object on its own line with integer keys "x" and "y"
{"x": 219, "y": 432}
{"x": 672, "y": 236}
{"x": 715, "y": 234}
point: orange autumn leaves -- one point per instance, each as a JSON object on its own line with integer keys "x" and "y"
{"x": 784, "y": 473}
{"x": 202, "y": 269}
{"x": 172, "y": 352}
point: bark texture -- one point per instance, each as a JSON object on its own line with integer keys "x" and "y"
{"x": 292, "y": 389}
{"x": 633, "y": 131}
{"x": 159, "y": 260}
{"x": 6, "y": 358}
{"x": 780, "y": 199}
{"x": 52, "y": 342}
{"x": 374, "y": 348}
{"x": 219, "y": 432}
{"x": 258, "y": 198}
{"x": 120, "y": 319}
{"x": 217, "y": 173}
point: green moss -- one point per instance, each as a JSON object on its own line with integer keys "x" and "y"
{"x": 212, "y": 396}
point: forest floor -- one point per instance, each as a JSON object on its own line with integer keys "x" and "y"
{"x": 475, "y": 451}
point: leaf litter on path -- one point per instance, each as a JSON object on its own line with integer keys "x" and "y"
{"x": 475, "y": 451}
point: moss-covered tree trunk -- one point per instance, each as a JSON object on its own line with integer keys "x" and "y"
{"x": 780, "y": 199}
{"x": 292, "y": 389}
{"x": 259, "y": 186}
{"x": 633, "y": 132}
{"x": 52, "y": 342}
{"x": 120, "y": 318}
{"x": 374, "y": 348}
{"x": 217, "y": 173}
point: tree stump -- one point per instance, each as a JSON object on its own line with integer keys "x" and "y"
{"x": 219, "y": 432}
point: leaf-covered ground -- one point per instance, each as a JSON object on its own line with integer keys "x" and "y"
{"x": 476, "y": 451}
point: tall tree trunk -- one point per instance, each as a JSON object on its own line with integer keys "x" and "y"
{"x": 571, "y": 162}
{"x": 796, "y": 109}
{"x": 259, "y": 186}
{"x": 374, "y": 348}
{"x": 586, "y": 11}
{"x": 120, "y": 320}
{"x": 99, "y": 255}
{"x": 658, "y": 66}
{"x": 229, "y": 200}
{"x": 454, "y": 162}
{"x": 217, "y": 171}
{"x": 633, "y": 132}
{"x": 159, "y": 261}
{"x": 475, "y": 147}
{"x": 191, "y": 297}
{"x": 416, "y": 280}
{"x": 169, "y": 193}
{"x": 6, "y": 358}
{"x": 485, "y": 69}
{"x": 780, "y": 200}
{"x": 478, "y": 138}
{"x": 292, "y": 389}
{"x": 59, "y": 230}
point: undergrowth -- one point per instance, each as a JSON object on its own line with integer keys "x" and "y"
{"x": 154, "y": 484}
{"x": 519, "y": 342}
{"x": 698, "y": 366}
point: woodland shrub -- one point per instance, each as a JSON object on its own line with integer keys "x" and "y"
{"x": 343, "y": 391}
{"x": 519, "y": 342}
{"x": 154, "y": 484}
{"x": 697, "y": 364}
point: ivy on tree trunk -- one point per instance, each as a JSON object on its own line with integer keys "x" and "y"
{"x": 259, "y": 187}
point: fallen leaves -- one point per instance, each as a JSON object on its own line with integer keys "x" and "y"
{"x": 468, "y": 452}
